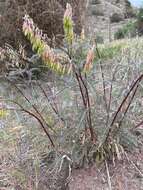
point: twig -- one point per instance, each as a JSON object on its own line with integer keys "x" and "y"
{"x": 124, "y": 100}
{"x": 89, "y": 107}
{"x": 120, "y": 123}
{"x": 82, "y": 95}
{"x": 134, "y": 165}
{"x": 81, "y": 90}
{"x": 103, "y": 77}
{"x": 138, "y": 125}
{"x": 137, "y": 81}
{"x": 108, "y": 176}
{"x": 110, "y": 98}
{"x": 53, "y": 108}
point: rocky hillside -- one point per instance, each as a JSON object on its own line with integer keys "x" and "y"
{"x": 104, "y": 17}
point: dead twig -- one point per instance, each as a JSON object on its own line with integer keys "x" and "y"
{"x": 108, "y": 176}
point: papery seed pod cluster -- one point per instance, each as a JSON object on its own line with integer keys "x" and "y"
{"x": 68, "y": 24}
{"x": 33, "y": 34}
{"x": 89, "y": 60}
{"x": 42, "y": 48}
{"x": 54, "y": 60}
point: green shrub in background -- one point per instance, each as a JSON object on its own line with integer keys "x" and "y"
{"x": 140, "y": 21}
{"x": 129, "y": 30}
{"x": 97, "y": 12}
{"x": 130, "y": 12}
{"x": 108, "y": 52}
{"x": 99, "y": 39}
{"x": 116, "y": 17}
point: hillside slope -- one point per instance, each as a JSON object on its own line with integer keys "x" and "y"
{"x": 105, "y": 17}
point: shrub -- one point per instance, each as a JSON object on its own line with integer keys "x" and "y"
{"x": 110, "y": 51}
{"x": 99, "y": 39}
{"x": 120, "y": 34}
{"x": 90, "y": 141}
{"x": 97, "y": 12}
{"x": 129, "y": 30}
{"x": 116, "y": 17}
{"x": 129, "y": 10}
{"x": 140, "y": 21}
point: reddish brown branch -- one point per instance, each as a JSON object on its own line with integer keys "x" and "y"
{"x": 103, "y": 77}
{"x": 126, "y": 97}
{"x": 37, "y": 118}
{"x": 134, "y": 85}
{"x": 89, "y": 107}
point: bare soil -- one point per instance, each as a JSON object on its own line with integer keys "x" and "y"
{"x": 126, "y": 174}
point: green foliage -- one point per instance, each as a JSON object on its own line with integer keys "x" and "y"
{"x": 140, "y": 21}
{"x": 140, "y": 15}
{"x": 99, "y": 39}
{"x": 111, "y": 50}
{"x": 129, "y": 30}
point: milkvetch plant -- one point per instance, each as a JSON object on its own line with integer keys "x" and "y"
{"x": 47, "y": 54}
{"x": 79, "y": 64}
{"x": 89, "y": 60}
{"x": 51, "y": 58}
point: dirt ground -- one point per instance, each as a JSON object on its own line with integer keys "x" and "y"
{"x": 126, "y": 174}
